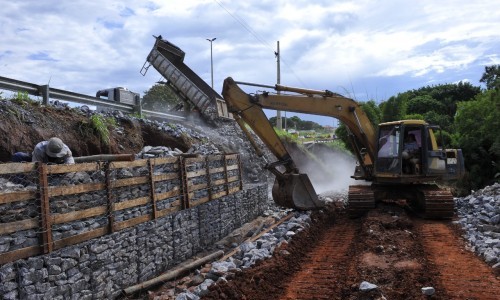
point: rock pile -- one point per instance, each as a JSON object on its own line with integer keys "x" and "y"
{"x": 248, "y": 254}
{"x": 479, "y": 215}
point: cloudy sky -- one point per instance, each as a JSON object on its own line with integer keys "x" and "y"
{"x": 361, "y": 49}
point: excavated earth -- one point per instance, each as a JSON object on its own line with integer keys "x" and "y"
{"x": 23, "y": 126}
{"x": 397, "y": 252}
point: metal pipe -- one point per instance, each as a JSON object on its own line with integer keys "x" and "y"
{"x": 105, "y": 157}
{"x": 173, "y": 274}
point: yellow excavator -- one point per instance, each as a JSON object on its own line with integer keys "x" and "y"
{"x": 401, "y": 161}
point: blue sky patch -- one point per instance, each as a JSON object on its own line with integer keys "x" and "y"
{"x": 41, "y": 56}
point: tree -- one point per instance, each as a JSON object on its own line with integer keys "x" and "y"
{"x": 160, "y": 97}
{"x": 477, "y": 124}
{"x": 424, "y": 104}
{"x": 491, "y": 77}
{"x": 395, "y": 108}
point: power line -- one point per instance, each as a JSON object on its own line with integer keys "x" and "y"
{"x": 258, "y": 38}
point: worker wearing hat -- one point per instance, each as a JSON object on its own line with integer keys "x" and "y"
{"x": 51, "y": 151}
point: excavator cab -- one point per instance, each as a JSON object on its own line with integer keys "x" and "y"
{"x": 410, "y": 152}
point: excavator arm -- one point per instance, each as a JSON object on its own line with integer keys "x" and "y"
{"x": 291, "y": 188}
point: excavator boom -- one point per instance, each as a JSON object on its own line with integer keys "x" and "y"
{"x": 291, "y": 188}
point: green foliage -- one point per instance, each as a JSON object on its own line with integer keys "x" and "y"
{"x": 491, "y": 77}
{"x": 22, "y": 98}
{"x": 414, "y": 117}
{"x": 395, "y": 108}
{"x": 101, "y": 125}
{"x": 423, "y": 104}
{"x": 160, "y": 97}
{"x": 374, "y": 114}
{"x": 285, "y": 136}
{"x": 477, "y": 123}
{"x": 372, "y": 111}
{"x": 296, "y": 123}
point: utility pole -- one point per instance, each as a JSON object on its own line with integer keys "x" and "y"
{"x": 211, "y": 61}
{"x": 278, "y": 81}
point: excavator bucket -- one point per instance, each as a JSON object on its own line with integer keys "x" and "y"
{"x": 295, "y": 191}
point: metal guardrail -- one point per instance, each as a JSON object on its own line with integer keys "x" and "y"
{"x": 47, "y": 93}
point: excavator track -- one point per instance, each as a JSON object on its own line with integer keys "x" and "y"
{"x": 361, "y": 199}
{"x": 436, "y": 203}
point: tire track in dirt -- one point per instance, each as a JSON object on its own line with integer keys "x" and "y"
{"x": 325, "y": 267}
{"x": 462, "y": 274}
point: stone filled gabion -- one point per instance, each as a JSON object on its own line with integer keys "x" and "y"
{"x": 101, "y": 268}
{"x": 479, "y": 215}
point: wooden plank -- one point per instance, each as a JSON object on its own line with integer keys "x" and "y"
{"x": 231, "y": 156}
{"x": 19, "y": 226}
{"x": 215, "y": 157}
{"x": 196, "y": 173}
{"x": 129, "y": 181}
{"x": 218, "y": 182}
{"x": 176, "y": 191}
{"x": 11, "y": 256}
{"x": 55, "y": 191}
{"x": 168, "y": 176}
{"x": 128, "y": 164}
{"x": 131, "y": 203}
{"x": 13, "y": 168}
{"x": 132, "y": 222}
{"x": 166, "y": 211}
{"x": 17, "y": 196}
{"x": 219, "y": 194}
{"x": 82, "y": 237}
{"x": 233, "y": 167}
{"x": 233, "y": 178}
{"x": 191, "y": 160}
{"x": 199, "y": 201}
{"x": 216, "y": 170}
{"x": 164, "y": 160}
{"x": 79, "y": 214}
{"x": 197, "y": 187}
{"x": 83, "y": 167}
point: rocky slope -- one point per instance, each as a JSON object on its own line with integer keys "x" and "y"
{"x": 24, "y": 123}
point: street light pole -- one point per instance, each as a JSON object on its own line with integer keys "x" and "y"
{"x": 211, "y": 61}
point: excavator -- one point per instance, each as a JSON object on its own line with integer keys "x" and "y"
{"x": 400, "y": 161}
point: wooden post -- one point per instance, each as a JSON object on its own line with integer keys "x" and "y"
{"x": 184, "y": 183}
{"x": 45, "y": 219}
{"x": 209, "y": 182}
{"x": 152, "y": 187}
{"x": 239, "y": 171}
{"x": 225, "y": 174}
{"x": 110, "y": 198}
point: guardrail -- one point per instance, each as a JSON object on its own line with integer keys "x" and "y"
{"x": 47, "y": 93}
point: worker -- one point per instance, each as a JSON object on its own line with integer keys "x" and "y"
{"x": 410, "y": 154}
{"x": 53, "y": 151}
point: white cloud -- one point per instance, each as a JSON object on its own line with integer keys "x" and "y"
{"x": 380, "y": 47}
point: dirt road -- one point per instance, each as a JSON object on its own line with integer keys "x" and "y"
{"x": 396, "y": 252}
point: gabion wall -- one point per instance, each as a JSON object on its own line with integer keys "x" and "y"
{"x": 102, "y": 267}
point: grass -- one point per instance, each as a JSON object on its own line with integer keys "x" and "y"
{"x": 98, "y": 125}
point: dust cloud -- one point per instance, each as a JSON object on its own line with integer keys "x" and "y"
{"x": 329, "y": 170}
